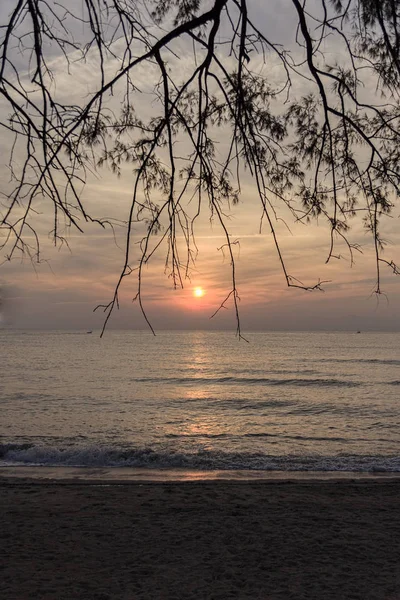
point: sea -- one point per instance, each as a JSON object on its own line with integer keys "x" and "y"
{"x": 206, "y": 401}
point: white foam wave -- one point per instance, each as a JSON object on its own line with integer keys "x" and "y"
{"x": 109, "y": 456}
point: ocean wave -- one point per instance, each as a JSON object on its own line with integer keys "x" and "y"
{"x": 93, "y": 455}
{"x": 372, "y": 361}
{"x": 295, "y": 381}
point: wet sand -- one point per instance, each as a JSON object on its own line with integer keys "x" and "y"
{"x": 200, "y": 540}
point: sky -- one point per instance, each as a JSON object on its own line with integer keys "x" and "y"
{"x": 62, "y": 292}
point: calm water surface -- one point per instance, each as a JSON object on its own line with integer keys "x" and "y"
{"x": 285, "y": 401}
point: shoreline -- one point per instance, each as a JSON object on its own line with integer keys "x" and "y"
{"x": 110, "y": 475}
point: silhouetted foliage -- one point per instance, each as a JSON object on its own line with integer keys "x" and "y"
{"x": 320, "y": 134}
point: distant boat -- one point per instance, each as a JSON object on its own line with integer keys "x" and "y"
{"x": 357, "y": 332}
{"x": 92, "y": 332}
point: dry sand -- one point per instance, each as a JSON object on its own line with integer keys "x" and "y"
{"x": 200, "y": 541}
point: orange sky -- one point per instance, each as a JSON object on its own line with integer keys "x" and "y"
{"x": 64, "y": 289}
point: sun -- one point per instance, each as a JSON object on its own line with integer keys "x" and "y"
{"x": 198, "y": 292}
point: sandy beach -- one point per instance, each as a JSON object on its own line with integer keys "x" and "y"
{"x": 70, "y": 540}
